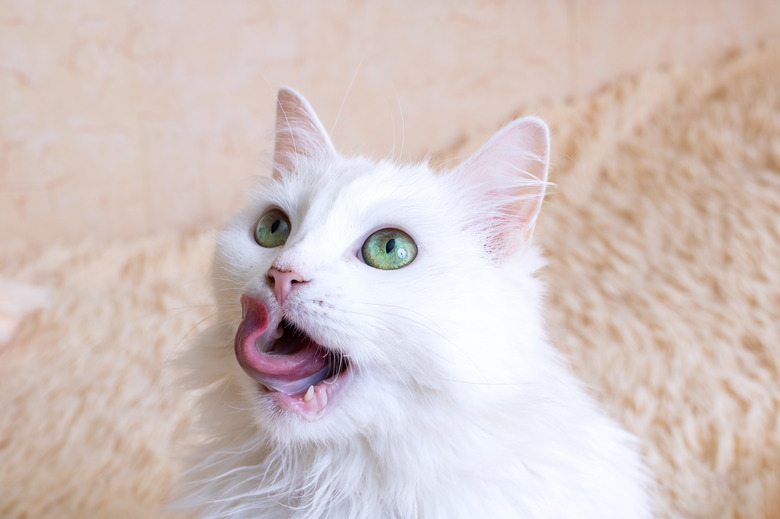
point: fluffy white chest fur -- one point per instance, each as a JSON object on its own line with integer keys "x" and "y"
{"x": 379, "y": 349}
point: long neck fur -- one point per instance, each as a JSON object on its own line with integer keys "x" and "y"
{"x": 375, "y": 475}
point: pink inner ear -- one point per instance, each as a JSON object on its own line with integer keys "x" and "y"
{"x": 508, "y": 176}
{"x": 298, "y": 132}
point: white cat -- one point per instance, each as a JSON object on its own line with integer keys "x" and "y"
{"x": 388, "y": 322}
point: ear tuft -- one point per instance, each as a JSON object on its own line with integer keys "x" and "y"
{"x": 298, "y": 132}
{"x": 506, "y": 180}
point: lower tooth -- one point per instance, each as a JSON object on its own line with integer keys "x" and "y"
{"x": 309, "y": 394}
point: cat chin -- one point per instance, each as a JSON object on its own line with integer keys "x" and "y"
{"x": 283, "y": 423}
{"x": 316, "y": 402}
{"x": 364, "y": 407}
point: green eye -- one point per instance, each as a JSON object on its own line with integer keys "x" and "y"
{"x": 389, "y": 249}
{"x": 272, "y": 229}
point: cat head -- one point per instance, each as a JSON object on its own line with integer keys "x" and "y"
{"x": 363, "y": 295}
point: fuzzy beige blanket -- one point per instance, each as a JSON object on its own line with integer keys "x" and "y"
{"x": 664, "y": 243}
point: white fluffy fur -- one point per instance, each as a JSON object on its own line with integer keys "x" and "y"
{"x": 459, "y": 406}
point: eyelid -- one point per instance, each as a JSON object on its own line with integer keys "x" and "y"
{"x": 358, "y": 243}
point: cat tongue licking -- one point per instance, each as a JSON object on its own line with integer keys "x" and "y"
{"x": 294, "y": 361}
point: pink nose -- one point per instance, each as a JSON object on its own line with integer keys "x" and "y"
{"x": 283, "y": 282}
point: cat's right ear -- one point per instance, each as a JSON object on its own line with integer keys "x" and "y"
{"x": 298, "y": 132}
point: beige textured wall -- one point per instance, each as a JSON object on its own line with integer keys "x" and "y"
{"x": 121, "y": 118}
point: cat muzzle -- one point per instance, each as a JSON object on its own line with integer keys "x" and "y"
{"x": 293, "y": 364}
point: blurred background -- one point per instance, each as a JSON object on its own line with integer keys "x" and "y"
{"x": 125, "y": 118}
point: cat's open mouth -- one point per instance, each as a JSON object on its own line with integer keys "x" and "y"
{"x": 303, "y": 375}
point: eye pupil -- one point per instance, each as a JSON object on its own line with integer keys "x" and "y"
{"x": 275, "y": 226}
{"x": 390, "y": 245}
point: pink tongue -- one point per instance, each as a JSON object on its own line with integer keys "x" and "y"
{"x": 290, "y": 373}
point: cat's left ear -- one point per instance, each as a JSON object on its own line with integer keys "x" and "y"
{"x": 505, "y": 182}
{"x": 298, "y": 132}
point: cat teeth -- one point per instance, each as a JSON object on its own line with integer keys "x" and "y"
{"x": 309, "y": 394}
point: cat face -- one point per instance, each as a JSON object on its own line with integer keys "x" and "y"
{"x": 364, "y": 295}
